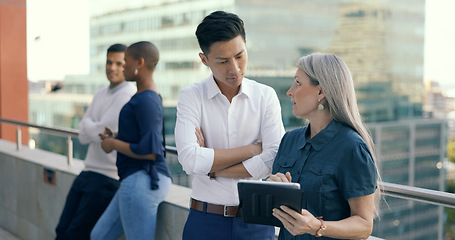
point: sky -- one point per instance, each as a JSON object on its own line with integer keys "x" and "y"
{"x": 440, "y": 43}
{"x": 58, "y": 40}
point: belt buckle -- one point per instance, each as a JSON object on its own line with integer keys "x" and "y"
{"x": 226, "y": 213}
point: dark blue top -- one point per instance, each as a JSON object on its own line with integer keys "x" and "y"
{"x": 141, "y": 125}
{"x": 332, "y": 167}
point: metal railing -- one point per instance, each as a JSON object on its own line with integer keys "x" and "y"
{"x": 59, "y": 131}
{"x": 390, "y": 189}
{"x": 434, "y": 197}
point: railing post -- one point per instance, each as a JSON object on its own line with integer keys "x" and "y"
{"x": 70, "y": 150}
{"x": 18, "y": 138}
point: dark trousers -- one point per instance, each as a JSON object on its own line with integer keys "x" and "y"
{"x": 87, "y": 199}
{"x": 208, "y": 226}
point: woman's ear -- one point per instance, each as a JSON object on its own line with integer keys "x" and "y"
{"x": 140, "y": 63}
{"x": 204, "y": 59}
{"x": 321, "y": 93}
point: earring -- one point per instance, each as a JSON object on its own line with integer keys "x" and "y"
{"x": 320, "y": 106}
{"x": 135, "y": 71}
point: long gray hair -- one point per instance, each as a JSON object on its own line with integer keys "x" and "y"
{"x": 335, "y": 79}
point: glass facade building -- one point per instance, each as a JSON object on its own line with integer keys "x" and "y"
{"x": 382, "y": 43}
{"x": 170, "y": 25}
{"x": 411, "y": 153}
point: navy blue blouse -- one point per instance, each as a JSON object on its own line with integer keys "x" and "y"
{"x": 141, "y": 125}
{"x": 332, "y": 167}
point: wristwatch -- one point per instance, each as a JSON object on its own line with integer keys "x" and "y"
{"x": 321, "y": 229}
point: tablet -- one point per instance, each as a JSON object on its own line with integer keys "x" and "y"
{"x": 258, "y": 199}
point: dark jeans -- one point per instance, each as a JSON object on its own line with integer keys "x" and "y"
{"x": 87, "y": 199}
{"x": 208, "y": 226}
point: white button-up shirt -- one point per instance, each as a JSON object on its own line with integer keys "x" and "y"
{"x": 254, "y": 115}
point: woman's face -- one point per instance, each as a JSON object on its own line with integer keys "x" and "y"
{"x": 304, "y": 95}
{"x": 130, "y": 67}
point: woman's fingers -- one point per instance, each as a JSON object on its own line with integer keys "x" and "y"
{"x": 286, "y": 219}
{"x": 288, "y": 176}
{"x": 279, "y": 177}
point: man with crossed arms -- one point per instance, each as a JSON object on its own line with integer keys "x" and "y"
{"x": 228, "y": 128}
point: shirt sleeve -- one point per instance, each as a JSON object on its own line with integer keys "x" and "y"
{"x": 194, "y": 159}
{"x": 149, "y": 116}
{"x": 272, "y": 130}
{"x": 358, "y": 175}
{"x": 87, "y": 124}
{"x": 90, "y": 127}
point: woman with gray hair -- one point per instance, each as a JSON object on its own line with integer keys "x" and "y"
{"x": 332, "y": 158}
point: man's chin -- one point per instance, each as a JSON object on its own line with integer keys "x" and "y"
{"x": 114, "y": 81}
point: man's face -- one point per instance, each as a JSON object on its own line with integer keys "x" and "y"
{"x": 228, "y": 61}
{"x": 114, "y": 67}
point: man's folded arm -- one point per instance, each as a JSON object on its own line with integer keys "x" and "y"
{"x": 86, "y": 126}
{"x": 272, "y": 130}
{"x": 194, "y": 158}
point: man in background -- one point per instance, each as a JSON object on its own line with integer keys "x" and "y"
{"x": 94, "y": 187}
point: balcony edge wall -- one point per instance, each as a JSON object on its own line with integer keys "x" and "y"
{"x": 30, "y": 205}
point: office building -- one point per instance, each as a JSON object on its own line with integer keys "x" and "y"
{"x": 412, "y": 153}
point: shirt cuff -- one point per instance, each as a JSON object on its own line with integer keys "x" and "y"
{"x": 256, "y": 167}
{"x": 204, "y": 160}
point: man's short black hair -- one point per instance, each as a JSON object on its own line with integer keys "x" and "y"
{"x": 118, "y": 47}
{"x": 219, "y": 26}
{"x": 146, "y": 50}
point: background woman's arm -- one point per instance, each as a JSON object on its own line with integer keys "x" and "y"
{"x": 110, "y": 144}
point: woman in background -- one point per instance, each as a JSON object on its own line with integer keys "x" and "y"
{"x": 144, "y": 175}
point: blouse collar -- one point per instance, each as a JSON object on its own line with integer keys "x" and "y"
{"x": 322, "y": 138}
